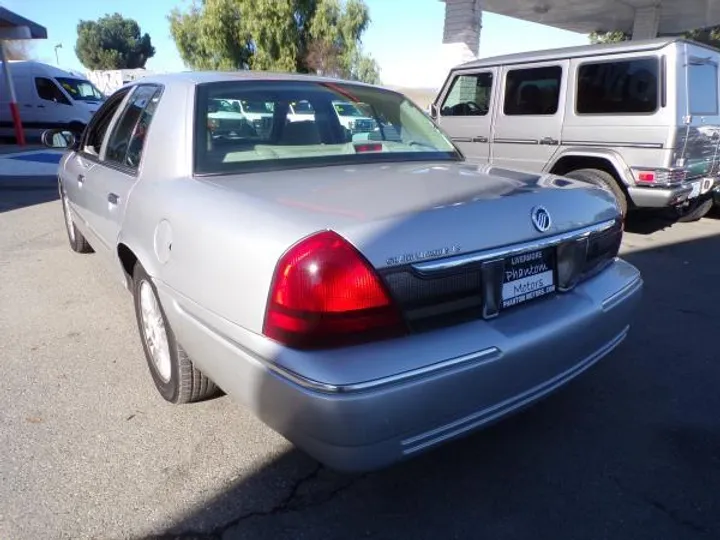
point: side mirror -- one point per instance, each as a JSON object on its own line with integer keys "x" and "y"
{"x": 433, "y": 111}
{"x": 59, "y": 138}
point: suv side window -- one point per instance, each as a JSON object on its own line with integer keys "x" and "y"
{"x": 533, "y": 91}
{"x": 618, "y": 87}
{"x": 128, "y": 136}
{"x": 49, "y": 91}
{"x": 469, "y": 95}
{"x": 94, "y": 135}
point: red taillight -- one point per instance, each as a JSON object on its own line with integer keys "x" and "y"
{"x": 325, "y": 293}
{"x": 368, "y": 147}
{"x": 646, "y": 176}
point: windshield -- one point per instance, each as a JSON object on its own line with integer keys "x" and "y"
{"x": 399, "y": 131}
{"x": 348, "y": 109}
{"x": 80, "y": 90}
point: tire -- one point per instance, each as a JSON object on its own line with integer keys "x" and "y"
{"x": 174, "y": 375}
{"x": 694, "y": 211}
{"x": 77, "y": 241}
{"x": 604, "y": 179}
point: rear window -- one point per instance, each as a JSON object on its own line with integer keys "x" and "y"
{"x": 703, "y": 88}
{"x": 385, "y": 126}
{"x": 619, "y": 87}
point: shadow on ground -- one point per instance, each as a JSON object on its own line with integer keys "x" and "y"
{"x": 20, "y": 193}
{"x": 630, "y": 450}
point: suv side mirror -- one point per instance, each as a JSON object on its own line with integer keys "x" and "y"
{"x": 59, "y": 138}
{"x": 433, "y": 111}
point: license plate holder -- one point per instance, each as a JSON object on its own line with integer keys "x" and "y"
{"x": 528, "y": 276}
{"x": 695, "y": 189}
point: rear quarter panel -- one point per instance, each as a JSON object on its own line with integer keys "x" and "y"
{"x": 640, "y": 139}
{"x": 212, "y": 248}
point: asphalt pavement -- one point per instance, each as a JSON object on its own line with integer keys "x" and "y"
{"x": 88, "y": 449}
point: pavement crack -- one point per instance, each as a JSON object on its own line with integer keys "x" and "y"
{"x": 293, "y": 502}
{"x": 674, "y": 515}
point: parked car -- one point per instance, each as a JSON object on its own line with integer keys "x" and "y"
{"x": 368, "y": 299}
{"x": 639, "y": 117}
{"x": 47, "y": 97}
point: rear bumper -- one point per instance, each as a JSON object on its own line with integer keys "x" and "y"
{"x": 655, "y": 197}
{"x": 647, "y": 197}
{"x": 535, "y": 350}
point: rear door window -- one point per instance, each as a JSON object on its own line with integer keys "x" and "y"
{"x": 128, "y": 137}
{"x": 618, "y": 87}
{"x": 95, "y": 133}
{"x": 533, "y": 91}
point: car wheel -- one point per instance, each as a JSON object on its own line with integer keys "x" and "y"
{"x": 694, "y": 210}
{"x": 604, "y": 179}
{"x": 78, "y": 243}
{"x": 174, "y": 374}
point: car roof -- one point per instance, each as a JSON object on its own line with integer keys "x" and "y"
{"x": 193, "y": 78}
{"x": 575, "y": 52}
{"x": 23, "y": 65}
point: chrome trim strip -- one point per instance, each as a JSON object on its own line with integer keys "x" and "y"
{"x": 461, "y": 139}
{"x": 453, "y": 263}
{"x": 613, "y": 144}
{"x": 515, "y": 141}
{"x": 617, "y": 297}
{"x": 485, "y": 416}
{"x": 484, "y": 356}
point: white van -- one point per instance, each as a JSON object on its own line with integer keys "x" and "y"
{"x": 47, "y": 97}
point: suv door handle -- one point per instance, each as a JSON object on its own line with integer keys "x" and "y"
{"x": 113, "y": 198}
{"x": 480, "y": 139}
{"x": 80, "y": 179}
{"x": 548, "y": 141}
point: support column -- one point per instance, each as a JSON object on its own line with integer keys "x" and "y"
{"x": 647, "y": 22}
{"x": 461, "y": 33}
{"x": 10, "y": 87}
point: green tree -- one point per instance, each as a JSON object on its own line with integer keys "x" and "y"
{"x": 112, "y": 42}
{"x": 305, "y": 36}
{"x": 708, "y": 36}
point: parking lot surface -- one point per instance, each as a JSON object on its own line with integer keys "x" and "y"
{"x": 630, "y": 450}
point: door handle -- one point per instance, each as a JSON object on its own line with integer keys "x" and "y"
{"x": 81, "y": 179}
{"x": 41, "y": 106}
{"x": 113, "y": 198}
{"x": 480, "y": 139}
{"x": 548, "y": 141}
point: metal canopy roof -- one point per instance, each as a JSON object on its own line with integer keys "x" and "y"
{"x": 586, "y": 16}
{"x": 13, "y": 26}
{"x": 542, "y": 55}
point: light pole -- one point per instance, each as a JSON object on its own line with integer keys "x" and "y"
{"x": 57, "y": 58}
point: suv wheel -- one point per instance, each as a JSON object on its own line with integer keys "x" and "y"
{"x": 694, "y": 210}
{"x": 603, "y": 179}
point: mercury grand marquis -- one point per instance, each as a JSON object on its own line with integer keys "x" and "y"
{"x": 367, "y": 294}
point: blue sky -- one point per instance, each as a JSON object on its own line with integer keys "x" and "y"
{"x": 404, "y": 37}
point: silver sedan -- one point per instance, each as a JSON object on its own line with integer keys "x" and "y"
{"x": 365, "y": 291}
